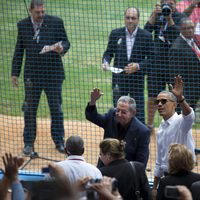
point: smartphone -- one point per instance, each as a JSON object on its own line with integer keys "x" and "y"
{"x": 172, "y": 192}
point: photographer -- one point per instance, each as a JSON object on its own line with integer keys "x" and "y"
{"x": 163, "y": 24}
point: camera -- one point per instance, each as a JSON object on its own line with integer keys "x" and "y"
{"x": 166, "y": 9}
{"x": 92, "y": 194}
{"x": 172, "y": 192}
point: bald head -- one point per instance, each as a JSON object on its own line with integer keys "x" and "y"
{"x": 131, "y": 19}
{"x": 132, "y": 10}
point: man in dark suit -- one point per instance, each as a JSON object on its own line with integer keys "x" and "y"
{"x": 44, "y": 40}
{"x": 133, "y": 50}
{"x": 121, "y": 123}
{"x": 185, "y": 59}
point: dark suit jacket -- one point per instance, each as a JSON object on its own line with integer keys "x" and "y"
{"x": 137, "y": 136}
{"x": 195, "y": 188}
{"x": 143, "y": 48}
{"x": 183, "y": 61}
{"x": 123, "y": 172}
{"x": 181, "y": 178}
{"x": 40, "y": 66}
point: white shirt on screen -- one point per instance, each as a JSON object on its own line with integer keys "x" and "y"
{"x": 130, "y": 40}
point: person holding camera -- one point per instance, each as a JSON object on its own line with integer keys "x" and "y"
{"x": 116, "y": 166}
{"x": 163, "y": 24}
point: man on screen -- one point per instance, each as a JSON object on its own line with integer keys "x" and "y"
{"x": 44, "y": 40}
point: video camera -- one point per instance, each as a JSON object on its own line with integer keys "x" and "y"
{"x": 166, "y": 9}
{"x": 92, "y": 194}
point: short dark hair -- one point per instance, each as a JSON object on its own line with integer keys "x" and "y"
{"x": 138, "y": 12}
{"x": 74, "y": 145}
{"x": 36, "y": 3}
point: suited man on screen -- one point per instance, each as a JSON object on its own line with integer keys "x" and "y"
{"x": 43, "y": 40}
{"x": 132, "y": 49}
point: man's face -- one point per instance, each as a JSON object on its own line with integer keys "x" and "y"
{"x": 123, "y": 113}
{"x": 166, "y": 106}
{"x": 131, "y": 19}
{"x": 172, "y": 3}
{"x": 187, "y": 29}
{"x": 38, "y": 13}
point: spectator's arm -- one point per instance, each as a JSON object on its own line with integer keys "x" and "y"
{"x": 11, "y": 165}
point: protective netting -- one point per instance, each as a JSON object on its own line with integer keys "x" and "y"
{"x": 88, "y": 24}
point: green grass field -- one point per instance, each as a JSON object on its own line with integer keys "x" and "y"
{"x": 88, "y": 24}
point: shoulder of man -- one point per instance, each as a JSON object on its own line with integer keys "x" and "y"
{"x": 136, "y": 123}
{"x": 52, "y": 18}
{"x": 118, "y": 30}
{"x": 143, "y": 32}
{"x": 24, "y": 21}
{"x": 177, "y": 16}
{"x": 177, "y": 43}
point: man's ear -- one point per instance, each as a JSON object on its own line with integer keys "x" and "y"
{"x": 134, "y": 112}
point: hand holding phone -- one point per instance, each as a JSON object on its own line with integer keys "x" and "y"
{"x": 172, "y": 192}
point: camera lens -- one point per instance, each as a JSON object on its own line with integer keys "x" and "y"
{"x": 166, "y": 9}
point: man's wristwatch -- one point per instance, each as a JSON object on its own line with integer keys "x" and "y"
{"x": 182, "y": 100}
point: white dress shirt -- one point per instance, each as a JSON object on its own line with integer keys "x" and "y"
{"x": 177, "y": 129}
{"x": 130, "y": 40}
{"x": 76, "y": 168}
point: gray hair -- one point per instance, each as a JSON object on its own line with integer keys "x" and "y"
{"x": 129, "y": 100}
{"x": 170, "y": 94}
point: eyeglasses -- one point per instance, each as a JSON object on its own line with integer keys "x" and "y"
{"x": 162, "y": 101}
{"x": 132, "y": 18}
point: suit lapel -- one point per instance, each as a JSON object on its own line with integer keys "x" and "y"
{"x": 124, "y": 47}
{"x": 132, "y": 130}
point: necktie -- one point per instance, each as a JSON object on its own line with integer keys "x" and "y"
{"x": 37, "y": 33}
